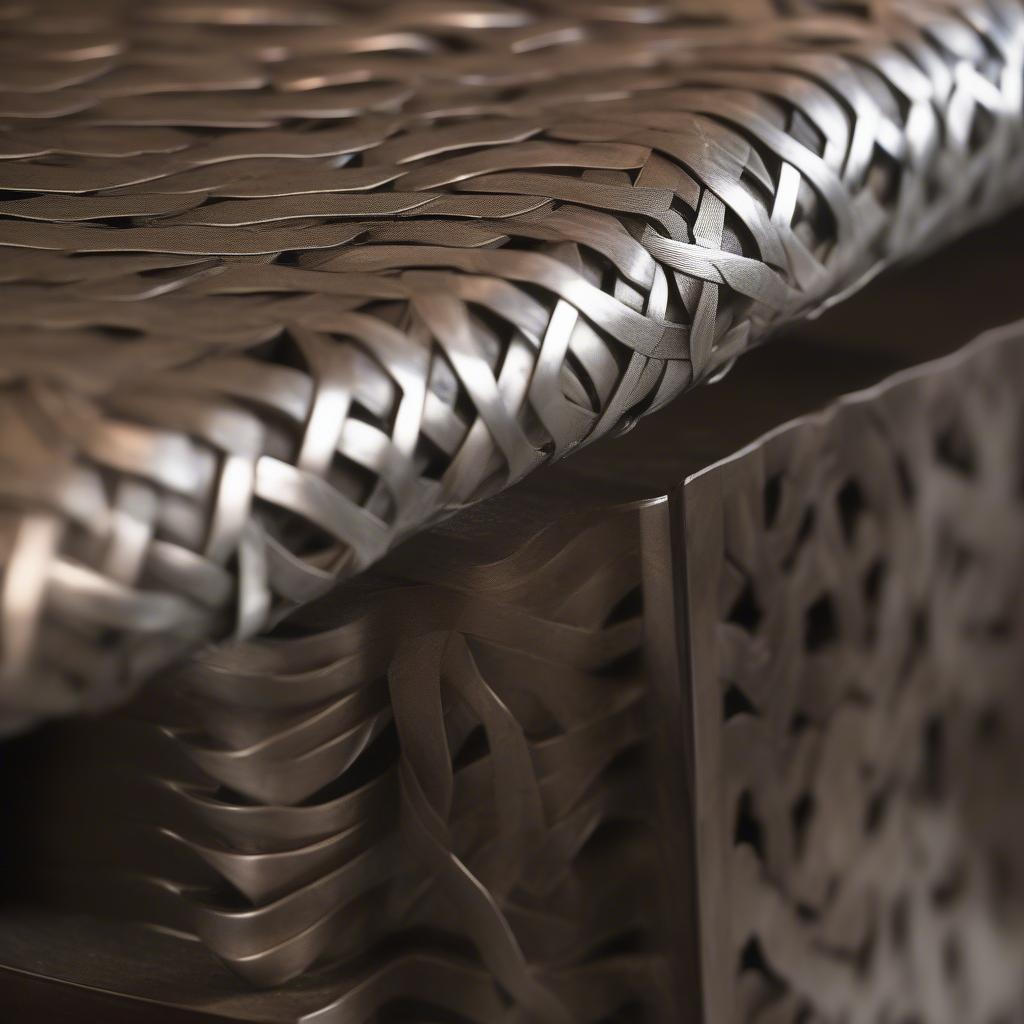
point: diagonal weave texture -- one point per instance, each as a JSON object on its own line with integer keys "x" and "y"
{"x": 858, "y": 673}
{"x": 285, "y": 282}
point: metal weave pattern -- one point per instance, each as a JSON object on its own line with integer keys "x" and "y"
{"x": 286, "y": 282}
{"x": 852, "y": 623}
{"x": 440, "y": 789}
{"x": 859, "y": 677}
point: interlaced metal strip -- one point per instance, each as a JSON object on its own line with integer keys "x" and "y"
{"x": 858, "y": 685}
{"x": 285, "y": 282}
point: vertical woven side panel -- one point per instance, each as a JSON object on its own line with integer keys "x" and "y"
{"x": 857, "y": 672}
{"x": 437, "y": 795}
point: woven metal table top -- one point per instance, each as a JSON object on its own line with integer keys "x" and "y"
{"x": 285, "y": 282}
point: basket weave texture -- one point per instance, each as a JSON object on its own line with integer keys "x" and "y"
{"x": 285, "y": 282}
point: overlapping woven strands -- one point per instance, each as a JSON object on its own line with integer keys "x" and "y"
{"x": 284, "y": 282}
{"x": 433, "y": 796}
